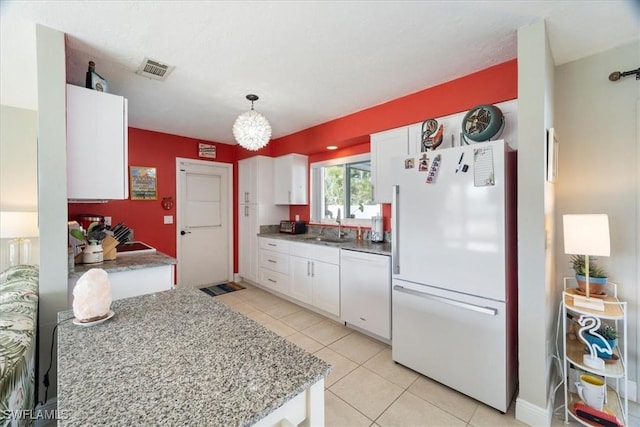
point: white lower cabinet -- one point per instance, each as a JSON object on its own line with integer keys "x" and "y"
{"x": 314, "y": 275}
{"x": 305, "y": 272}
{"x": 131, "y": 283}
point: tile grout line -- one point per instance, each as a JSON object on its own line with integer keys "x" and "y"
{"x": 350, "y": 405}
{"x": 358, "y": 364}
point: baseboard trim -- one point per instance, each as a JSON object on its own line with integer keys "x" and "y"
{"x": 531, "y": 414}
{"x": 632, "y": 389}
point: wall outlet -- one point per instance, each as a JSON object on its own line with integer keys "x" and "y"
{"x": 107, "y": 221}
{"x": 168, "y": 219}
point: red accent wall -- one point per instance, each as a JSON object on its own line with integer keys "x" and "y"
{"x": 489, "y": 86}
{"x": 350, "y": 133}
{"x": 146, "y": 217}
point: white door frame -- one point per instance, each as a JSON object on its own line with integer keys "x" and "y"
{"x": 229, "y": 168}
{"x": 637, "y": 378}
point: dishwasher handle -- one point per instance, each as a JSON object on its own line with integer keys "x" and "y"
{"x": 480, "y": 309}
{"x": 360, "y": 259}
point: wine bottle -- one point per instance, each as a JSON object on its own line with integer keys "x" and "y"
{"x": 95, "y": 80}
{"x": 89, "y": 78}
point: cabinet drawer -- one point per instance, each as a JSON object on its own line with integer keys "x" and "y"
{"x": 315, "y": 252}
{"x": 275, "y": 245}
{"x": 274, "y": 261}
{"x": 274, "y": 280}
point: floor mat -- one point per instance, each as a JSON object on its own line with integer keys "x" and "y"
{"x": 221, "y": 289}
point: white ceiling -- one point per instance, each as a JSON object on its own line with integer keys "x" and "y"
{"x": 309, "y": 61}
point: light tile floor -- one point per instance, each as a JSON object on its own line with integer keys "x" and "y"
{"x": 366, "y": 388}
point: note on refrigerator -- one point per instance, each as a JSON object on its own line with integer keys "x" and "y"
{"x": 483, "y": 174}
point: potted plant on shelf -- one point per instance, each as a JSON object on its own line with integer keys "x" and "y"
{"x": 93, "y": 251}
{"x": 609, "y": 333}
{"x": 598, "y": 277}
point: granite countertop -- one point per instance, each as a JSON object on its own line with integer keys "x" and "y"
{"x": 177, "y": 357}
{"x": 383, "y": 248}
{"x": 126, "y": 262}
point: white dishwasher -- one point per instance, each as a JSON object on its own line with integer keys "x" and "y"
{"x": 365, "y": 291}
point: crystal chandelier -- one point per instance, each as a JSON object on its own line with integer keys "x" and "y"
{"x": 251, "y": 129}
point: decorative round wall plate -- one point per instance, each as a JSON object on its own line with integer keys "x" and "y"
{"x": 482, "y": 123}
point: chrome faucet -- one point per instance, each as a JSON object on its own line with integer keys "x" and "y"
{"x": 340, "y": 232}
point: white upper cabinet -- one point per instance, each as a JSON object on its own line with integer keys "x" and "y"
{"x": 255, "y": 186}
{"x": 415, "y": 139}
{"x": 290, "y": 180}
{"x": 97, "y": 145}
{"x": 384, "y": 147}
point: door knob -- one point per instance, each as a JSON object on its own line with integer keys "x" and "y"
{"x": 182, "y": 232}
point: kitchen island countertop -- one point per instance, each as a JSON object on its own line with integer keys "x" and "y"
{"x": 177, "y": 357}
{"x": 126, "y": 263}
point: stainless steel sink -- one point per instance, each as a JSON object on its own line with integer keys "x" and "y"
{"x": 326, "y": 239}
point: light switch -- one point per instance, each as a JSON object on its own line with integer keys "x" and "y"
{"x": 168, "y": 219}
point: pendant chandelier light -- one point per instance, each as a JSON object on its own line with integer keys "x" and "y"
{"x": 251, "y": 129}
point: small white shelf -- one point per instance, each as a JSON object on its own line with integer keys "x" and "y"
{"x": 574, "y": 349}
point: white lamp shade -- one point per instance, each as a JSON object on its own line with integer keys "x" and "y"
{"x": 586, "y": 234}
{"x": 18, "y": 224}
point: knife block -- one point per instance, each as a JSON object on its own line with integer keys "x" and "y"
{"x": 109, "y": 247}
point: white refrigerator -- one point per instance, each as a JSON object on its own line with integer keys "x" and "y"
{"x": 454, "y": 265}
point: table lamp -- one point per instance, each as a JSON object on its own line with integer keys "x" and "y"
{"x": 587, "y": 235}
{"x": 18, "y": 226}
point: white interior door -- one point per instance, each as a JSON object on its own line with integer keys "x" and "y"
{"x": 204, "y": 223}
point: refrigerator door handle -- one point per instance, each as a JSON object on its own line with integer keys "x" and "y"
{"x": 394, "y": 229}
{"x": 484, "y": 310}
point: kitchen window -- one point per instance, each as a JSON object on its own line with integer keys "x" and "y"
{"x": 343, "y": 185}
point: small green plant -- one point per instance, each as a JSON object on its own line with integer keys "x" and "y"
{"x": 578, "y": 264}
{"x": 607, "y": 332}
{"x": 95, "y": 231}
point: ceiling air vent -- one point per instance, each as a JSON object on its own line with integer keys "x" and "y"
{"x": 154, "y": 69}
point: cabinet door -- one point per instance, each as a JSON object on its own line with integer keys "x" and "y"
{"x": 97, "y": 145}
{"x": 415, "y": 139}
{"x": 248, "y": 242}
{"x": 290, "y": 180}
{"x": 247, "y": 183}
{"x": 384, "y": 147}
{"x": 326, "y": 287}
{"x": 300, "y": 278}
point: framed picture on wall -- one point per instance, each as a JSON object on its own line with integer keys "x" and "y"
{"x": 552, "y": 155}
{"x": 143, "y": 182}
